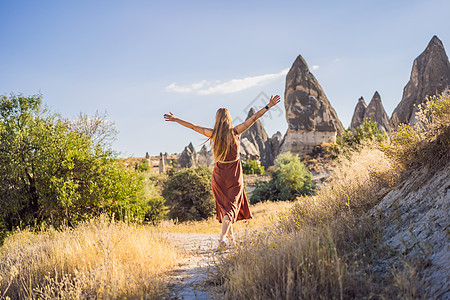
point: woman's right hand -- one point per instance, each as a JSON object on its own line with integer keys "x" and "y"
{"x": 170, "y": 117}
{"x": 274, "y": 101}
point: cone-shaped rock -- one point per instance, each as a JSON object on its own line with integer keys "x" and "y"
{"x": 375, "y": 111}
{"x": 187, "y": 158}
{"x": 310, "y": 116}
{"x": 248, "y": 151}
{"x": 430, "y": 76}
{"x": 205, "y": 157}
{"x": 358, "y": 114}
{"x": 257, "y": 136}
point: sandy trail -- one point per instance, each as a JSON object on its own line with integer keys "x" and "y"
{"x": 187, "y": 281}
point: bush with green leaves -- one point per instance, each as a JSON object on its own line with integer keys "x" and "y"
{"x": 428, "y": 141}
{"x": 144, "y": 167}
{"x": 351, "y": 140}
{"x": 61, "y": 171}
{"x": 290, "y": 179}
{"x": 153, "y": 185}
{"x": 188, "y": 194}
{"x": 252, "y": 167}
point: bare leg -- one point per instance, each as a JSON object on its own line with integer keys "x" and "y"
{"x": 230, "y": 235}
{"x": 226, "y": 225}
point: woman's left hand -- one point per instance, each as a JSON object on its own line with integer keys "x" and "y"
{"x": 274, "y": 101}
{"x": 170, "y": 117}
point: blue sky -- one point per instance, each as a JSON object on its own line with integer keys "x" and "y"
{"x": 137, "y": 60}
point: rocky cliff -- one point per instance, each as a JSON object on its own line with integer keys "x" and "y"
{"x": 310, "y": 116}
{"x": 416, "y": 224}
{"x": 358, "y": 114}
{"x": 430, "y": 76}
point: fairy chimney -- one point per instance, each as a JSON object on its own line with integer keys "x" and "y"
{"x": 430, "y": 75}
{"x": 358, "y": 114}
{"x": 310, "y": 116}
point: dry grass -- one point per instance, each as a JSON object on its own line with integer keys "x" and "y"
{"x": 264, "y": 214}
{"x": 314, "y": 250}
{"x": 427, "y": 142}
{"x": 98, "y": 259}
{"x": 327, "y": 247}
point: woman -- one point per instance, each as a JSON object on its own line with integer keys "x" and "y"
{"x": 227, "y": 180}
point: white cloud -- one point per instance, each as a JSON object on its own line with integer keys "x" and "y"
{"x": 173, "y": 87}
{"x": 205, "y": 87}
{"x": 315, "y": 67}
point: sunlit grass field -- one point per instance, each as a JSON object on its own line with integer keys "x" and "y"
{"x": 97, "y": 259}
{"x": 103, "y": 258}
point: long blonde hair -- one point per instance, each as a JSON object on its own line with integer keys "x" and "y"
{"x": 223, "y": 135}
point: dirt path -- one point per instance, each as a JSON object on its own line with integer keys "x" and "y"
{"x": 188, "y": 280}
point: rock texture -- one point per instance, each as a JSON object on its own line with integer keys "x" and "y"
{"x": 162, "y": 163}
{"x": 416, "y": 224}
{"x": 187, "y": 158}
{"x": 311, "y": 119}
{"x": 248, "y": 150}
{"x": 274, "y": 144}
{"x": 375, "y": 111}
{"x": 358, "y": 114}
{"x": 205, "y": 157}
{"x": 430, "y": 76}
{"x": 256, "y": 145}
{"x": 257, "y": 136}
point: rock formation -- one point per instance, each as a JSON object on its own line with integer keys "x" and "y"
{"x": 248, "y": 150}
{"x": 162, "y": 165}
{"x": 358, "y": 114}
{"x": 256, "y": 145}
{"x": 187, "y": 158}
{"x": 311, "y": 119}
{"x": 273, "y": 144}
{"x": 257, "y": 136}
{"x": 430, "y": 76}
{"x": 205, "y": 157}
{"x": 416, "y": 223}
{"x": 375, "y": 111}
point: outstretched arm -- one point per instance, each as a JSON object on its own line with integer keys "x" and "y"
{"x": 249, "y": 122}
{"x": 203, "y": 130}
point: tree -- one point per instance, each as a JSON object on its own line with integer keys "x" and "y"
{"x": 290, "y": 179}
{"x": 188, "y": 194}
{"x": 144, "y": 167}
{"x": 61, "y": 171}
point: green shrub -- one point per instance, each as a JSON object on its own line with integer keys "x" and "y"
{"x": 153, "y": 185}
{"x": 252, "y": 167}
{"x": 352, "y": 140}
{"x": 56, "y": 171}
{"x": 427, "y": 141}
{"x": 290, "y": 179}
{"x": 144, "y": 166}
{"x": 156, "y": 210}
{"x": 188, "y": 194}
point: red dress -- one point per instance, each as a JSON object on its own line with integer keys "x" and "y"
{"x": 228, "y": 186}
